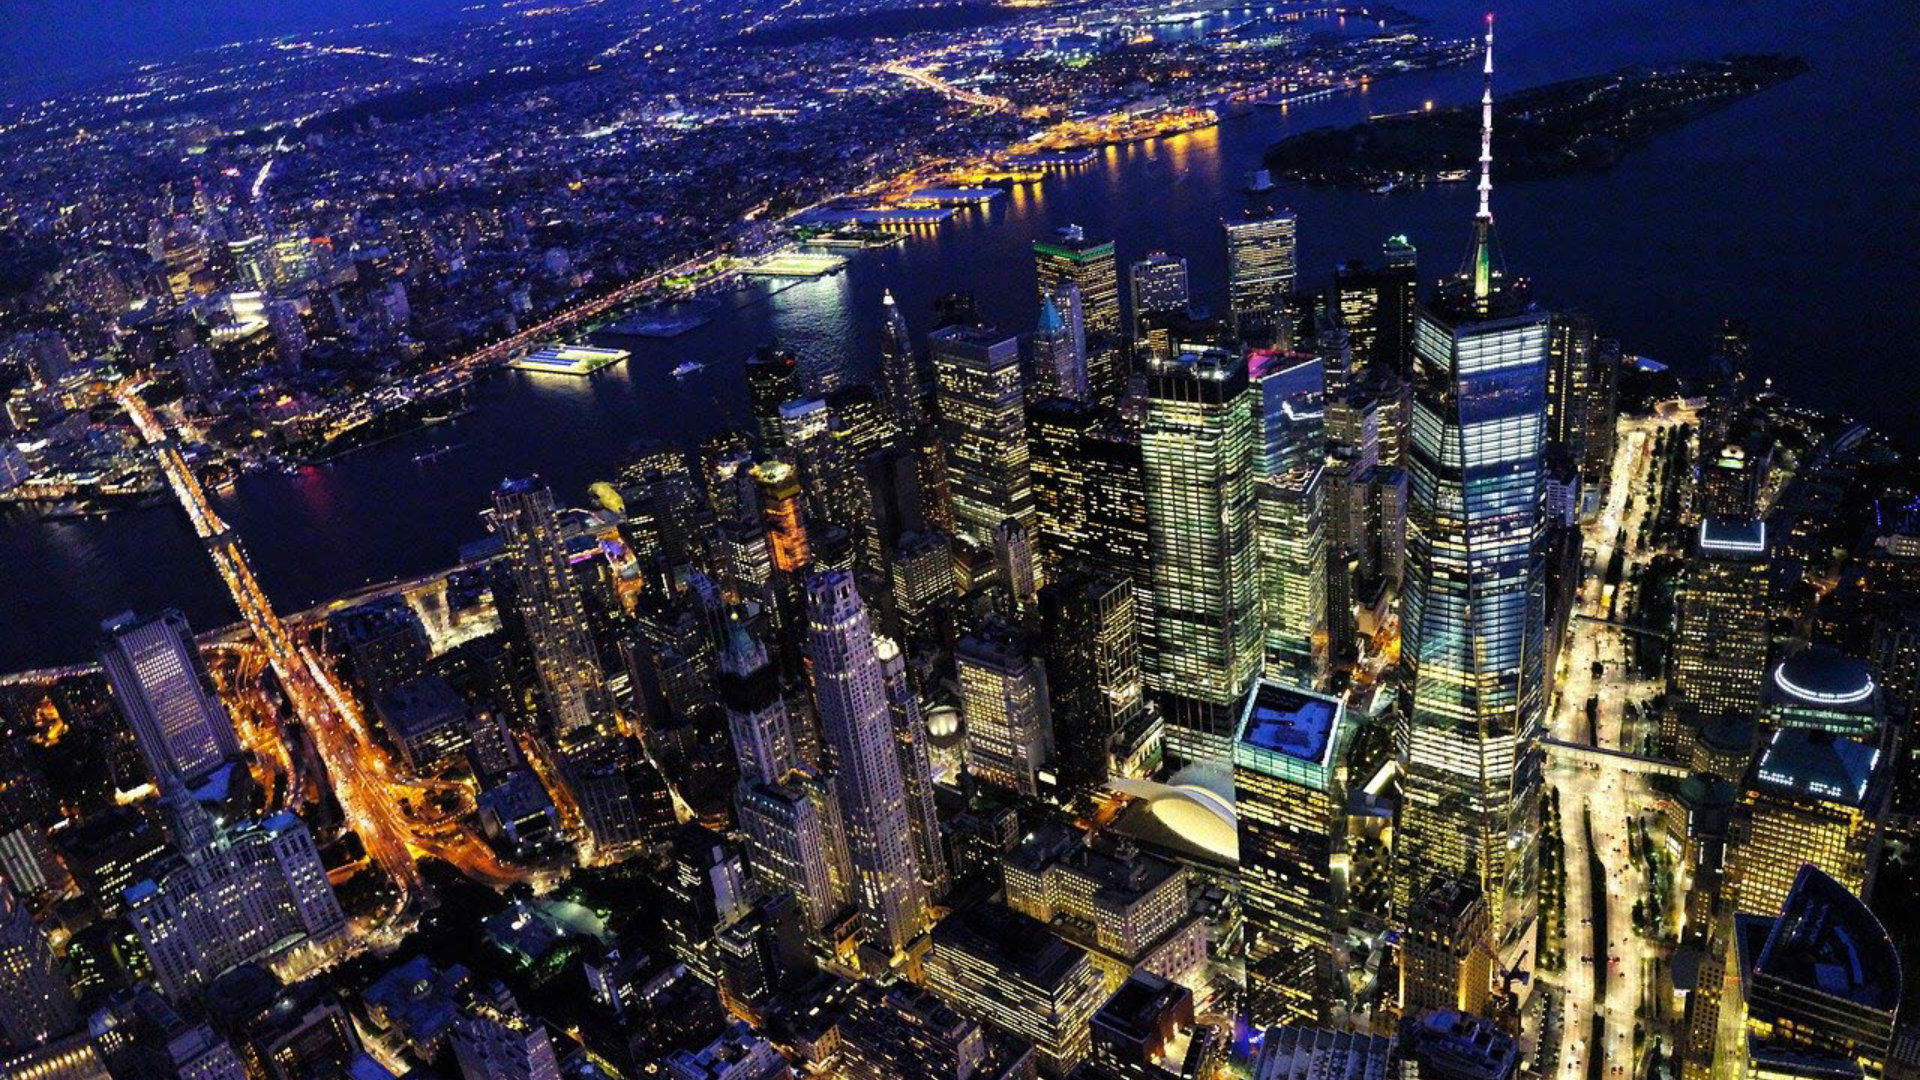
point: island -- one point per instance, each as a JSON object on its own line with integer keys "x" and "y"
{"x": 1579, "y": 125}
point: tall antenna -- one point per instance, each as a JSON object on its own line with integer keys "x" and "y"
{"x": 1483, "y": 220}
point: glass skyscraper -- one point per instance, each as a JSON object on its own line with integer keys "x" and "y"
{"x": 1288, "y": 459}
{"x": 1198, "y": 445}
{"x": 1473, "y": 610}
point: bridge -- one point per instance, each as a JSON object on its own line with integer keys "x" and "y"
{"x": 1583, "y": 754}
{"x": 309, "y": 686}
{"x": 1631, "y": 628}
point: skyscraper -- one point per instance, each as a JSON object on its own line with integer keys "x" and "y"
{"x": 36, "y": 1003}
{"x": 1003, "y": 968}
{"x": 850, "y": 691}
{"x": 901, "y": 378}
{"x": 1003, "y": 693}
{"x": 911, "y": 743}
{"x": 1376, "y": 304}
{"x": 1091, "y": 653}
{"x": 1570, "y": 365}
{"x": 1720, "y": 642}
{"x": 564, "y": 657}
{"x": 1473, "y": 607}
{"x": 794, "y": 842}
{"x": 1811, "y": 798}
{"x": 773, "y": 379}
{"x": 1289, "y": 779}
{"x": 1069, "y": 255}
{"x": 1060, "y": 347}
{"x": 1288, "y": 461}
{"x": 1260, "y": 274}
{"x": 983, "y": 423}
{"x": 1159, "y": 284}
{"x": 757, "y": 718}
{"x": 1198, "y": 446}
{"x": 168, "y": 699}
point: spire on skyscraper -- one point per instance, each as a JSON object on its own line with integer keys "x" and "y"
{"x": 1482, "y": 256}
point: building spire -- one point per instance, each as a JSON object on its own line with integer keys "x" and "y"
{"x": 1483, "y": 219}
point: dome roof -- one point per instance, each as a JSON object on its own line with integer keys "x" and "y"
{"x": 943, "y": 723}
{"x": 1822, "y": 676}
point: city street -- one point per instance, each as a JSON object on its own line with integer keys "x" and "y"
{"x": 1607, "y": 791}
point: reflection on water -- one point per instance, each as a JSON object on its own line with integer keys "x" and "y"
{"x": 1744, "y": 212}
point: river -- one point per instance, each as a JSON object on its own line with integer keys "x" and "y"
{"x": 1795, "y": 207}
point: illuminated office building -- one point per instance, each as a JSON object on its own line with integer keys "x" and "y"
{"x": 912, "y": 739}
{"x": 494, "y": 1039}
{"x": 757, "y": 718}
{"x": 1571, "y": 345}
{"x": 1720, "y": 642}
{"x": 1290, "y": 795}
{"x": 1260, "y": 273}
{"x": 773, "y": 379}
{"x": 1070, "y": 256}
{"x": 902, "y": 380}
{"x": 555, "y": 611}
{"x": 1060, "y": 347}
{"x": 1473, "y": 606}
{"x": 1821, "y": 985}
{"x": 1091, "y": 652}
{"x": 897, "y": 1031}
{"x": 795, "y": 842}
{"x": 781, "y": 514}
{"x": 1377, "y": 304}
{"x": 1823, "y": 688}
{"x": 1003, "y": 694}
{"x": 1159, "y": 285}
{"x": 1444, "y": 962}
{"x": 983, "y": 424}
{"x": 1198, "y": 446}
{"x": 1127, "y": 908}
{"x": 1288, "y": 461}
{"x": 850, "y": 692}
{"x": 1812, "y": 798}
{"x": 1008, "y": 970}
{"x": 167, "y": 697}
{"x": 36, "y": 1003}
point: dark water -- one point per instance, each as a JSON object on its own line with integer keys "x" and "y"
{"x": 1795, "y": 207}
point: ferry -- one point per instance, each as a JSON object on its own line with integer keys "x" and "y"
{"x": 687, "y": 369}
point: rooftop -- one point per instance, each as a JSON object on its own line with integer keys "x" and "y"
{"x": 1011, "y": 942}
{"x": 1299, "y": 724}
{"x": 1819, "y": 764}
{"x": 1826, "y": 939}
{"x": 1823, "y": 677}
{"x": 1727, "y": 536}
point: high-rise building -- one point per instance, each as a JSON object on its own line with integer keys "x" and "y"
{"x": 1060, "y": 347}
{"x": 1126, "y": 907}
{"x": 850, "y": 692}
{"x": 903, "y": 382}
{"x": 794, "y": 842}
{"x": 167, "y": 697}
{"x": 1289, "y": 779}
{"x": 1198, "y": 445}
{"x": 1006, "y": 969}
{"x": 1821, "y": 984}
{"x": 36, "y": 1002}
{"x": 1473, "y": 606}
{"x": 912, "y": 741}
{"x": 1260, "y": 274}
{"x": 773, "y": 379}
{"x": 757, "y": 719}
{"x": 706, "y": 889}
{"x": 1720, "y": 642}
{"x": 1603, "y": 406}
{"x": 494, "y": 1040}
{"x": 1003, "y": 693}
{"x": 1016, "y": 567}
{"x": 901, "y": 1031}
{"x": 1570, "y": 352}
{"x": 1444, "y": 962}
{"x": 232, "y": 894}
{"x": 550, "y": 599}
{"x": 1090, "y": 649}
{"x": 1288, "y": 461}
{"x": 983, "y": 424}
{"x": 1376, "y": 305}
{"x": 1159, "y": 286}
{"x": 1071, "y": 256}
{"x": 1811, "y": 798}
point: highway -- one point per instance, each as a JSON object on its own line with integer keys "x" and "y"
{"x": 1610, "y": 967}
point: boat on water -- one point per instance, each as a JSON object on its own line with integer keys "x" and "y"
{"x": 687, "y": 368}
{"x": 436, "y": 453}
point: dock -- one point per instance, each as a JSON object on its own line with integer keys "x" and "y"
{"x": 560, "y": 359}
